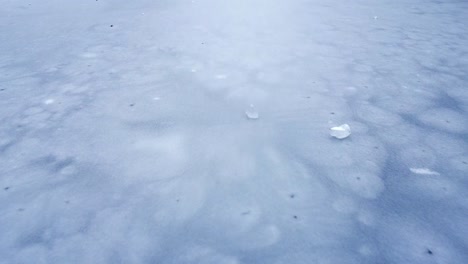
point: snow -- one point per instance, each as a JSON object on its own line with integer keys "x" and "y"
{"x": 133, "y": 144}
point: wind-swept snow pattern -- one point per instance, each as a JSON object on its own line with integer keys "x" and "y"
{"x": 126, "y": 134}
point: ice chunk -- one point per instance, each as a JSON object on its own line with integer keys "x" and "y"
{"x": 340, "y": 132}
{"x": 251, "y": 112}
{"x": 423, "y": 171}
{"x": 49, "y": 101}
{"x": 221, "y": 76}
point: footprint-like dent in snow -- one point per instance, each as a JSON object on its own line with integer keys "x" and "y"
{"x": 433, "y": 187}
{"x": 201, "y": 254}
{"x": 445, "y": 119}
{"x": 365, "y": 184}
{"x": 378, "y": 116}
{"x": 460, "y": 163}
{"x": 36, "y": 254}
{"x": 418, "y": 156}
{"x": 157, "y": 157}
{"x": 89, "y": 55}
{"x": 344, "y": 205}
{"x": 445, "y": 145}
{"x": 365, "y": 217}
{"x": 403, "y": 240}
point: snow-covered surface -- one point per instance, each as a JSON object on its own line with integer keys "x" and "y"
{"x": 123, "y": 135}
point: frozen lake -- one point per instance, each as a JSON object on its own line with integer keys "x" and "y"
{"x": 180, "y": 131}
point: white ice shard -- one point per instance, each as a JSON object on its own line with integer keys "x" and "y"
{"x": 251, "y": 112}
{"x": 221, "y": 76}
{"x": 340, "y": 132}
{"x": 424, "y": 171}
{"x": 49, "y": 101}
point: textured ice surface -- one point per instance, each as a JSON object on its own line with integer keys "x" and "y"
{"x": 123, "y": 137}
